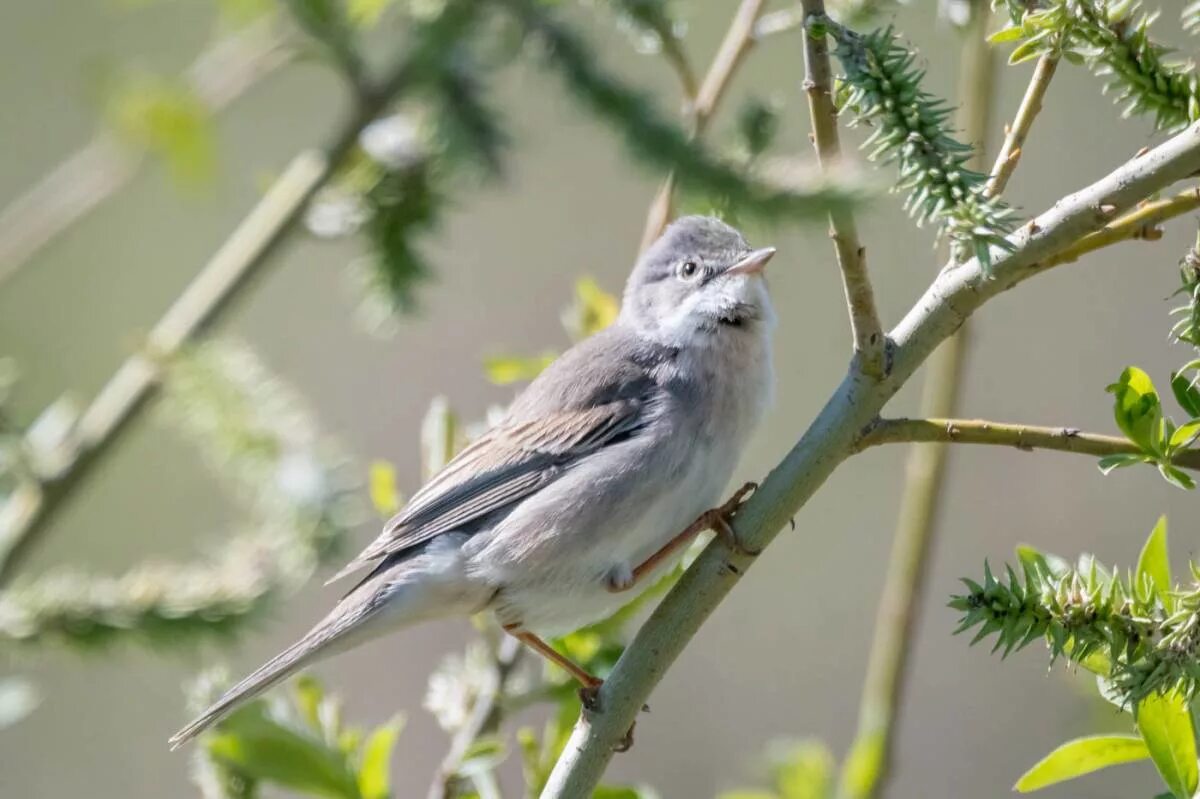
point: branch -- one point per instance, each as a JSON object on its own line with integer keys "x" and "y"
{"x": 870, "y": 345}
{"x": 955, "y": 294}
{"x": 1014, "y": 139}
{"x": 1139, "y": 224}
{"x": 99, "y": 169}
{"x": 1022, "y": 436}
{"x": 701, "y": 106}
{"x": 203, "y": 303}
{"x": 869, "y": 764}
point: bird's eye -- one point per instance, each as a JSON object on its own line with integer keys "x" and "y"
{"x": 688, "y": 270}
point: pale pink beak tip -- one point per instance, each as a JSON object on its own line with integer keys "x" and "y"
{"x": 753, "y": 263}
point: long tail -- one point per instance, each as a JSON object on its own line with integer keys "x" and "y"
{"x": 333, "y": 634}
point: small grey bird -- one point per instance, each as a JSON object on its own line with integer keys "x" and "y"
{"x": 603, "y": 469}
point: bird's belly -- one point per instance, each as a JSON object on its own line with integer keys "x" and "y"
{"x": 567, "y": 599}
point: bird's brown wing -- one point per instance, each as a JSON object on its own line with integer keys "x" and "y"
{"x": 508, "y": 463}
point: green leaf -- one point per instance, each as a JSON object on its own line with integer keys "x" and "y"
{"x": 1005, "y": 35}
{"x": 593, "y": 309}
{"x": 374, "y": 775}
{"x": 506, "y": 369}
{"x": 1186, "y": 394}
{"x": 1176, "y": 477}
{"x": 168, "y": 119}
{"x": 483, "y": 755}
{"x": 384, "y": 494}
{"x": 1137, "y": 409}
{"x": 1154, "y": 561}
{"x": 1165, "y": 724}
{"x": 1081, "y": 756}
{"x": 863, "y": 761}
{"x": 1110, "y": 463}
{"x": 1185, "y": 436}
{"x": 803, "y": 770}
{"x": 265, "y": 750}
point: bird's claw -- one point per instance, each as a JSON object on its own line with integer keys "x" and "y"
{"x": 719, "y": 520}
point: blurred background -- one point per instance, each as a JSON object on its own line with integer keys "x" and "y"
{"x": 785, "y": 655}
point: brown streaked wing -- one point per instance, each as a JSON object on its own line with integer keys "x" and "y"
{"x": 508, "y": 463}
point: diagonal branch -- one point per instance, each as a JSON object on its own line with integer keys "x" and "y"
{"x": 1015, "y": 135}
{"x": 204, "y": 302}
{"x": 1021, "y": 436}
{"x": 99, "y": 169}
{"x": 955, "y": 294}
{"x": 870, "y": 345}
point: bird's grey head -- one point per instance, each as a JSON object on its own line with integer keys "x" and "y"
{"x": 699, "y": 278}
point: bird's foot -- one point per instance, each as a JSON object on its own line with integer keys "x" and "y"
{"x": 720, "y": 520}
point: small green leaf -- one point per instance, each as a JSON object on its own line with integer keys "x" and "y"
{"x": 623, "y": 792}
{"x": 803, "y": 770}
{"x": 862, "y": 764}
{"x": 168, "y": 119}
{"x": 1081, "y": 756}
{"x": 1137, "y": 409}
{"x": 506, "y": 369}
{"x": 1176, "y": 477}
{"x": 1185, "y": 436}
{"x": 483, "y": 755}
{"x": 1154, "y": 561}
{"x": 374, "y": 775}
{"x": 1186, "y": 394}
{"x": 1110, "y": 463}
{"x": 265, "y": 750}
{"x": 1165, "y": 724}
{"x": 593, "y": 309}
{"x": 384, "y": 494}
{"x": 1004, "y": 35}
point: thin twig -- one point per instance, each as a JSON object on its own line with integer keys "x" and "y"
{"x": 870, "y": 346}
{"x": 206, "y": 300}
{"x": 701, "y": 106}
{"x": 1141, "y": 224}
{"x": 486, "y": 715}
{"x": 1015, "y": 135}
{"x": 954, "y": 295}
{"x": 925, "y": 471}
{"x": 1022, "y": 436}
{"x": 99, "y": 169}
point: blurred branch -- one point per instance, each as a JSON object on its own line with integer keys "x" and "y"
{"x": 870, "y": 345}
{"x": 1023, "y": 437}
{"x": 955, "y": 294}
{"x": 1139, "y": 224}
{"x": 79, "y": 184}
{"x": 206, "y": 299}
{"x": 868, "y": 766}
{"x": 700, "y": 107}
{"x": 257, "y": 433}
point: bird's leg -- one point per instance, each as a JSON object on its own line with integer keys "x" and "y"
{"x": 589, "y": 683}
{"x": 715, "y": 519}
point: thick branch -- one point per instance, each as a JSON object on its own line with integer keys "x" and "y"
{"x": 102, "y": 167}
{"x": 869, "y": 343}
{"x": 957, "y": 292}
{"x": 701, "y": 106}
{"x": 1022, "y": 436}
{"x": 205, "y": 301}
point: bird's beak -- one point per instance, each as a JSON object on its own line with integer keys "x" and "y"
{"x": 753, "y": 263}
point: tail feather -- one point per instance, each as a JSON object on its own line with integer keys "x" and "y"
{"x": 342, "y": 627}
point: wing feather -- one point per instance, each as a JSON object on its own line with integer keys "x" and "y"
{"x": 505, "y": 465}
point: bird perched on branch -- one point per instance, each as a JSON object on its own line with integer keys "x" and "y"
{"x": 603, "y": 469}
